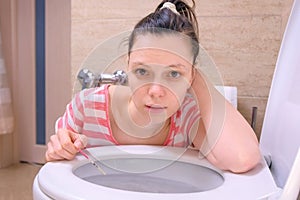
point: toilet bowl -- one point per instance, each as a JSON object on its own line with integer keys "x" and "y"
{"x": 151, "y": 172}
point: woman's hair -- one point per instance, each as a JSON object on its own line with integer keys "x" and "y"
{"x": 169, "y": 19}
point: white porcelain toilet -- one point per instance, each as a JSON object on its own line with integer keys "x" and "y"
{"x": 152, "y": 172}
{"x": 149, "y": 172}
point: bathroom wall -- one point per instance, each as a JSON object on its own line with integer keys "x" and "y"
{"x": 242, "y": 37}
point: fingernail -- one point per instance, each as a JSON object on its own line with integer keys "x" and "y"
{"x": 83, "y": 139}
{"x": 78, "y": 144}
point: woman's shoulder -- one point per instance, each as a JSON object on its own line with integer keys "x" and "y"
{"x": 93, "y": 94}
{"x": 119, "y": 92}
{"x": 105, "y": 93}
{"x": 94, "y": 90}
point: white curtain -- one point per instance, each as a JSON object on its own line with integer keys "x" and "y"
{"x": 6, "y": 113}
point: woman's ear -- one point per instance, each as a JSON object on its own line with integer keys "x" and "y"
{"x": 193, "y": 75}
{"x": 127, "y": 61}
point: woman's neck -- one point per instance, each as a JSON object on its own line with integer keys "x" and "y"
{"x": 129, "y": 120}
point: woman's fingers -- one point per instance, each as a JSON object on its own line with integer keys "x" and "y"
{"x": 66, "y": 141}
{"x": 51, "y": 154}
{"x": 80, "y": 141}
{"x": 63, "y": 145}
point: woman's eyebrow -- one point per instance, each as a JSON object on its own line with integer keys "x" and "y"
{"x": 135, "y": 64}
{"x": 178, "y": 66}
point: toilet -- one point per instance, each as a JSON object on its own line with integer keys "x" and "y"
{"x": 149, "y": 172}
{"x": 153, "y": 172}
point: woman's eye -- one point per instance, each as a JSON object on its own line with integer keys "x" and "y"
{"x": 174, "y": 74}
{"x": 141, "y": 72}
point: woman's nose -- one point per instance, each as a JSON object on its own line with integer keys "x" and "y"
{"x": 156, "y": 90}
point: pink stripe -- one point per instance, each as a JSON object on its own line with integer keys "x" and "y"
{"x": 72, "y": 117}
{"x": 98, "y": 135}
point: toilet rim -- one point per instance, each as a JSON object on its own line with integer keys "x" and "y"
{"x": 172, "y": 154}
{"x": 50, "y": 181}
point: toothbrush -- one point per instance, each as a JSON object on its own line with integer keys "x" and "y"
{"x": 91, "y": 159}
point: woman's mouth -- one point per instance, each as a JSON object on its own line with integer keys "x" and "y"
{"x": 155, "y": 108}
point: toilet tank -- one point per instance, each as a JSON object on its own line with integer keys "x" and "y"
{"x": 280, "y": 137}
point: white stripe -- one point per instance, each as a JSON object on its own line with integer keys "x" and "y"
{"x": 56, "y": 124}
{"x": 70, "y": 119}
{"x": 95, "y": 113}
{"x": 96, "y": 128}
{"x": 96, "y": 98}
{"x": 178, "y": 121}
{"x": 188, "y": 122}
{"x": 178, "y": 138}
{"x": 188, "y": 107}
{"x": 76, "y": 112}
{"x": 191, "y": 116}
{"x": 98, "y": 142}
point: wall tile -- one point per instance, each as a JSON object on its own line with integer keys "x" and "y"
{"x": 244, "y": 50}
{"x": 87, "y": 35}
{"x": 247, "y": 71}
{"x": 285, "y": 12}
{"x": 95, "y": 9}
{"x": 117, "y": 9}
{"x": 241, "y": 33}
{"x": 238, "y": 7}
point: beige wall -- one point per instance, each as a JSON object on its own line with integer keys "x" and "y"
{"x": 242, "y": 37}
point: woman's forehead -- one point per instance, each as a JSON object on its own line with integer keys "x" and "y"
{"x": 164, "y": 44}
{"x": 157, "y": 57}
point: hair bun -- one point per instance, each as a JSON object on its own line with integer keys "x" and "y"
{"x": 170, "y": 6}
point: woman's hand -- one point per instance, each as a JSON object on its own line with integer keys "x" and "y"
{"x": 64, "y": 145}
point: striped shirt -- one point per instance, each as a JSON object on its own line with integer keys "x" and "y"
{"x": 88, "y": 113}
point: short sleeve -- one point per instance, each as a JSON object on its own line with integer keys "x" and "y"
{"x": 73, "y": 117}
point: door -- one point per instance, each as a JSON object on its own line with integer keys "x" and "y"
{"x": 43, "y": 72}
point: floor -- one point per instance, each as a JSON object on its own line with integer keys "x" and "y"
{"x": 16, "y": 181}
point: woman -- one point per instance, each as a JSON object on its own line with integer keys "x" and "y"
{"x": 167, "y": 101}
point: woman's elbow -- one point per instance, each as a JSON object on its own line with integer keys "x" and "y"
{"x": 239, "y": 162}
{"x": 246, "y": 161}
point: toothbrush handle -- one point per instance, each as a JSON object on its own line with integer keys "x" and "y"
{"x": 91, "y": 159}
{"x": 84, "y": 154}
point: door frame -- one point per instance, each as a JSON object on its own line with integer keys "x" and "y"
{"x": 58, "y": 90}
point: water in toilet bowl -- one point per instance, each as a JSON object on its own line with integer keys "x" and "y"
{"x": 142, "y": 183}
{"x": 176, "y": 177}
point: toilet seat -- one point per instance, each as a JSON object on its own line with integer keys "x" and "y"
{"x": 56, "y": 180}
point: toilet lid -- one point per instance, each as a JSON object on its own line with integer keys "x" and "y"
{"x": 58, "y": 180}
{"x": 280, "y": 138}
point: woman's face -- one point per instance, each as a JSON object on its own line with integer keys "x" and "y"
{"x": 160, "y": 72}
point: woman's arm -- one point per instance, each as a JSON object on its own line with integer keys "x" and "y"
{"x": 229, "y": 142}
{"x": 66, "y": 141}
